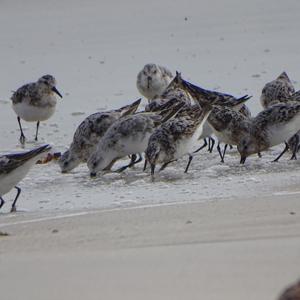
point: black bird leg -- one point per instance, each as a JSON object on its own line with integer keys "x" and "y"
{"x": 131, "y": 164}
{"x": 284, "y": 150}
{"x": 211, "y": 144}
{"x": 152, "y": 171}
{"x": 220, "y": 152}
{"x": 1, "y": 202}
{"x": 224, "y": 150}
{"x": 37, "y": 130}
{"x": 13, "y": 207}
{"x": 189, "y": 162}
{"x": 22, "y": 136}
{"x": 203, "y": 146}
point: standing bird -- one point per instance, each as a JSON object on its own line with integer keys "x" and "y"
{"x": 127, "y": 136}
{"x": 223, "y": 113}
{"x": 278, "y": 90}
{"x": 173, "y": 92}
{"x": 269, "y": 128}
{"x": 35, "y": 102}
{"x": 152, "y": 80}
{"x": 177, "y": 137}
{"x": 88, "y": 134}
{"x": 14, "y": 167}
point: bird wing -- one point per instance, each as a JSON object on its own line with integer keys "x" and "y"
{"x": 10, "y": 162}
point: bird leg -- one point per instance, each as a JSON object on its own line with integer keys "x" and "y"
{"x": 134, "y": 160}
{"x": 145, "y": 165}
{"x": 22, "y": 136}
{"x": 203, "y": 146}
{"x": 152, "y": 172}
{"x": 131, "y": 164}
{"x": 224, "y": 151}
{"x": 284, "y": 150}
{"x": 295, "y": 149}
{"x": 1, "y": 202}
{"x": 13, "y": 207}
{"x": 211, "y": 144}
{"x": 166, "y": 164}
{"x": 188, "y": 164}
{"x": 37, "y": 130}
{"x": 220, "y": 153}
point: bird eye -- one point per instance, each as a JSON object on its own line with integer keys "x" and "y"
{"x": 154, "y": 72}
{"x": 95, "y": 164}
{"x": 66, "y": 163}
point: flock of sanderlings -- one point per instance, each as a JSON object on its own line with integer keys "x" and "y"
{"x": 177, "y": 116}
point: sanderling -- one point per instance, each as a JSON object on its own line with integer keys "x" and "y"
{"x": 88, "y": 134}
{"x": 280, "y": 89}
{"x": 127, "y": 136}
{"x": 270, "y": 127}
{"x": 173, "y": 92}
{"x": 152, "y": 80}
{"x": 294, "y": 142}
{"x": 222, "y": 101}
{"x": 35, "y": 102}
{"x": 177, "y": 137}
{"x": 14, "y": 167}
{"x": 229, "y": 126}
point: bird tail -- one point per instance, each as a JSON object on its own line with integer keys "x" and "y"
{"x": 168, "y": 113}
{"x": 203, "y": 96}
{"x": 131, "y": 108}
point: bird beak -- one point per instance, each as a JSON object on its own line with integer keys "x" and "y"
{"x": 243, "y": 159}
{"x": 93, "y": 174}
{"x": 55, "y": 90}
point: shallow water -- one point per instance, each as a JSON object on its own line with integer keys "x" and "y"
{"x": 95, "y": 59}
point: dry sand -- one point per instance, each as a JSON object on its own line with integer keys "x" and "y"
{"x": 235, "y": 249}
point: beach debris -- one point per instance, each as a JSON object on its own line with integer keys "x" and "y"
{"x": 2, "y": 233}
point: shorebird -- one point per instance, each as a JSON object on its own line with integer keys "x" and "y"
{"x": 279, "y": 90}
{"x": 292, "y": 143}
{"x": 88, "y": 134}
{"x": 14, "y": 167}
{"x": 152, "y": 80}
{"x": 127, "y": 136}
{"x": 173, "y": 93}
{"x": 35, "y": 102}
{"x": 229, "y": 126}
{"x": 222, "y": 102}
{"x": 270, "y": 127}
{"x": 177, "y": 137}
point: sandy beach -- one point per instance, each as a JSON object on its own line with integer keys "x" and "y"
{"x": 222, "y": 231}
{"x": 235, "y": 249}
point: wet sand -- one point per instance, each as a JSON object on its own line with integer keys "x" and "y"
{"x": 235, "y": 249}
